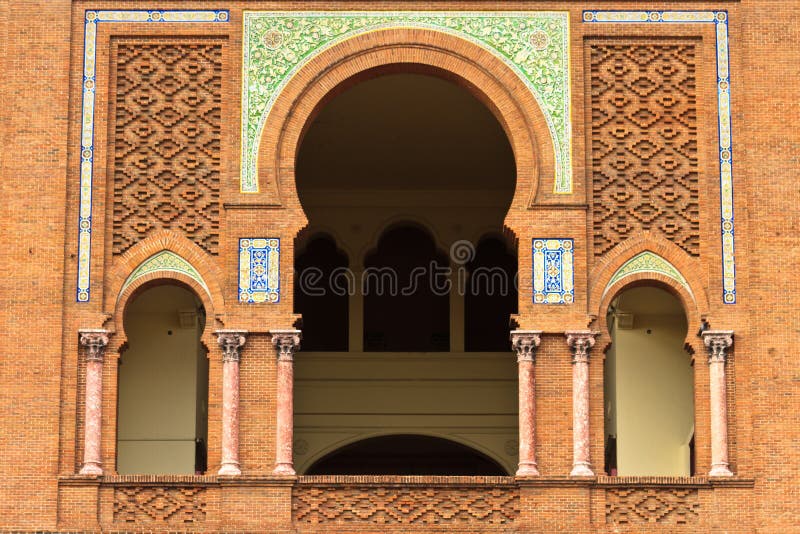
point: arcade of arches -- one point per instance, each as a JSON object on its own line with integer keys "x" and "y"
{"x": 395, "y": 173}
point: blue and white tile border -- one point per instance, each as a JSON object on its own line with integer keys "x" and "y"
{"x": 259, "y": 269}
{"x": 720, "y": 20}
{"x": 92, "y": 19}
{"x": 553, "y": 271}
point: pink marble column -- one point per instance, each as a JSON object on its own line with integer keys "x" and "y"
{"x": 718, "y": 342}
{"x": 581, "y": 342}
{"x": 525, "y": 343}
{"x": 231, "y": 342}
{"x": 286, "y": 342}
{"x": 94, "y": 341}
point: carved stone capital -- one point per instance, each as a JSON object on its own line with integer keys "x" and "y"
{"x": 231, "y": 342}
{"x": 717, "y": 342}
{"x": 581, "y": 342}
{"x": 286, "y": 342}
{"x": 95, "y": 341}
{"x": 525, "y": 343}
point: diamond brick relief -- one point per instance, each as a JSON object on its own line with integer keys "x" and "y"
{"x": 644, "y": 144}
{"x": 166, "y": 144}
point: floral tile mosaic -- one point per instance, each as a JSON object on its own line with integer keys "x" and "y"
{"x": 259, "y": 269}
{"x": 553, "y": 271}
{"x": 534, "y": 44}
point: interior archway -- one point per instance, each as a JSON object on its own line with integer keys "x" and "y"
{"x": 404, "y": 168}
{"x": 162, "y": 421}
{"x": 649, "y": 386}
{"x": 406, "y": 454}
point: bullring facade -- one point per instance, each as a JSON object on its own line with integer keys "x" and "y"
{"x": 357, "y": 267}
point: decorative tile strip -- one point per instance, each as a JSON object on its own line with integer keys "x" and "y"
{"x": 665, "y": 506}
{"x": 534, "y": 44}
{"x": 412, "y": 506}
{"x": 171, "y": 505}
{"x": 553, "y": 271}
{"x": 259, "y": 269}
{"x": 720, "y": 19}
{"x": 165, "y": 260}
{"x": 92, "y": 20}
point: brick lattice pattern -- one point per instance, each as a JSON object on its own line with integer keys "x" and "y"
{"x": 179, "y": 505}
{"x": 666, "y": 506}
{"x": 405, "y": 506}
{"x": 644, "y": 144}
{"x": 167, "y": 140}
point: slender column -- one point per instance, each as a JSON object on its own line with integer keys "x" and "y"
{"x": 286, "y": 342}
{"x": 718, "y": 342}
{"x": 356, "y": 312}
{"x": 231, "y": 342}
{"x": 525, "y": 343}
{"x": 581, "y": 342}
{"x": 94, "y": 341}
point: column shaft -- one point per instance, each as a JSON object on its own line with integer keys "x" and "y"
{"x": 286, "y": 343}
{"x": 95, "y": 342}
{"x": 718, "y": 343}
{"x": 231, "y": 342}
{"x": 525, "y": 343}
{"x": 581, "y": 342}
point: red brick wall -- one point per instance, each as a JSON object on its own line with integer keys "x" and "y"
{"x": 41, "y": 399}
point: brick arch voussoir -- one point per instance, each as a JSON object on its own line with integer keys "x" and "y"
{"x": 403, "y": 49}
{"x": 116, "y": 299}
{"x": 694, "y": 300}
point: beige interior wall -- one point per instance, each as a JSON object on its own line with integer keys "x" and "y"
{"x": 158, "y": 384}
{"x": 651, "y": 386}
{"x": 470, "y": 398}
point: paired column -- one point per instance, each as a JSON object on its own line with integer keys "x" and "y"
{"x": 94, "y": 342}
{"x": 231, "y": 342}
{"x": 581, "y": 342}
{"x": 525, "y": 343}
{"x": 286, "y": 342}
{"x": 718, "y": 342}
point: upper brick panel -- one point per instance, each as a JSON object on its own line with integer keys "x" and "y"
{"x": 167, "y": 142}
{"x": 644, "y": 143}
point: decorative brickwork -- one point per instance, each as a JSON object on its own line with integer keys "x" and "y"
{"x": 664, "y": 506}
{"x": 174, "y": 505}
{"x": 405, "y": 505}
{"x": 167, "y": 139}
{"x": 644, "y": 144}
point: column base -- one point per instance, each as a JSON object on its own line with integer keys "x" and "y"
{"x": 284, "y": 470}
{"x": 581, "y": 470}
{"x": 527, "y": 470}
{"x": 720, "y": 470}
{"x": 229, "y": 469}
{"x": 91, "y": 468}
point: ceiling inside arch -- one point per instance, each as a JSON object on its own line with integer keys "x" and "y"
{"x": 406, "y": 132}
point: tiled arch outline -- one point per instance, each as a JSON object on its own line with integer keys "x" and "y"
{"x": 93, "y": 19}
{"x": 534, "y": 44}
{"x": 720, "y": 20}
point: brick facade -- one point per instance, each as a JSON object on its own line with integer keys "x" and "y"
{"x": 667, "y": 89}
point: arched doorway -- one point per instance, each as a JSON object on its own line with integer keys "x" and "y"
{"x": 405, "y": 168}
{"x": 649, "y": 386}
{"x": 162, "y": 421}
{"x": 406, "y": 455}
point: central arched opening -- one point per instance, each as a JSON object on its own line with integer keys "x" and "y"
{"x": 405, "y": 275}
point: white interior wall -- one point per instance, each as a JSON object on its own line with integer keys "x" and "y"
{"x": 651, "y": 386}
{"x": 158, "y": 385}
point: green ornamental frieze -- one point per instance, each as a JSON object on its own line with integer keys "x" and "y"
{"x": 535, "y": 45}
